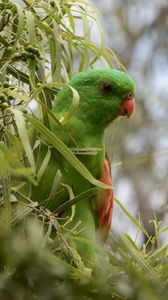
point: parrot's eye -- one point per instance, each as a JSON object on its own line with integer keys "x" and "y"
{"x": 106, "y": 87}
{"x": 130, "y": 96}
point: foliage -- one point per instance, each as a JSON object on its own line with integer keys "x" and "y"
{"x": 33, "y": 271}
{"x": 41, "y": 46}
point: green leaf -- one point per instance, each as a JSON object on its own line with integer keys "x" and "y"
{"x": 44, "y": 85}
{"x": 20, "y": 24}
{"x": 23, "y": 134}
{"x": 18, "y": 95}
{"x": 32, "y": 42}
{"x": 5, "y": 213}
{"x": 131, "y": 217}
{"x": 55, "y": 185}
{"x": 70, "y": 18}
{"x": 17, "y": 147}
{"x": 24, "y": 172}
{"x": 5, "y": 165}
{"x": 73, "y": 108}
{"x": 31, "y": 28}
{"x": 86, "y": 151}
{"x": 82, "y": 196}
{"x": 44, "y": 165}
{"x": 137, "y": 256}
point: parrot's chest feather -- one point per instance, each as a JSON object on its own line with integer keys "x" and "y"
{"x": 89, "y": 145}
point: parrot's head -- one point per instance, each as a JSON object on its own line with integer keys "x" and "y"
{"x": 104, "y": 94}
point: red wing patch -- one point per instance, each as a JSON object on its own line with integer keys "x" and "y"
{"x": 105, "y": 200}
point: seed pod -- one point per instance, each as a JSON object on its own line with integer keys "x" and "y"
{"x": 16, "y": 56}
{"x": 29, "y": 48}
{"x": 52, "y": 3}
{"x": 3, "y": 98}
{"x": 4, "y": 105}
{"x": 10, "y": 49}
{"x": 5, "y": 84}
{"x": 30, "y": 55}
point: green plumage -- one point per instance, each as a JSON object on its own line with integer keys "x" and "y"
{"x": 101, "y": 94}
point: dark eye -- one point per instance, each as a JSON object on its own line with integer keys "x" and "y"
{"x": 106, "y": 87}
{"x": 130, "y": 96}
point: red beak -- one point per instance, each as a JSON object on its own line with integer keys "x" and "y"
{"x": 127, "y": 107}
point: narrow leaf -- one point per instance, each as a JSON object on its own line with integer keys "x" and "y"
{"x": 44, "y": 165}
{"x": 20, "y": 23}
{"x": 20, "y": 122}
{"x": 81, "y": 196}
{"x": 131, "y": 217}
{"x": 73, "y": 108}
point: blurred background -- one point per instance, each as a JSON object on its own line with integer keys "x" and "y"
{"x": 137, "y": 31}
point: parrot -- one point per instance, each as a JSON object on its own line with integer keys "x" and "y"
{"x": 104, "y": 95}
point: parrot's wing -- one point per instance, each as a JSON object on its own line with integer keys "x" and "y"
{"x": 105, "y": 202}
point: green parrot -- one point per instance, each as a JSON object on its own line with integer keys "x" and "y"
{"x": 105, "y": 94}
